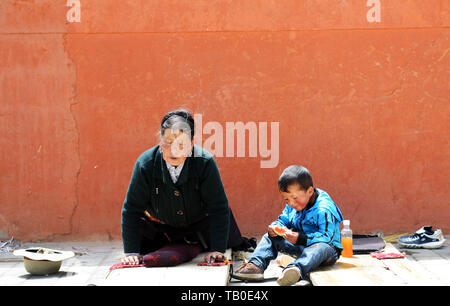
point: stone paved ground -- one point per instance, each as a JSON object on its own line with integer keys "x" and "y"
{"x": 91, "y": 264}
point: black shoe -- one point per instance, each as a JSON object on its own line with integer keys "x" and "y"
{"x": 247, "y": 245}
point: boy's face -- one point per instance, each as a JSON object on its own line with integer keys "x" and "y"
{"x": 296, "y": 197}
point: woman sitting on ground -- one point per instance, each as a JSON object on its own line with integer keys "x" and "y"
{"x": 176, "y": 206}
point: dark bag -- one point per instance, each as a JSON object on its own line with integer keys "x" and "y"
{"x": 366, "y": 244}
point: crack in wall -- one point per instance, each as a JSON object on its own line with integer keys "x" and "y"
{"x": 73, "y": 102}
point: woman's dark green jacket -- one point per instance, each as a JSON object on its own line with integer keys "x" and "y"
{"x": 198, "y": 193}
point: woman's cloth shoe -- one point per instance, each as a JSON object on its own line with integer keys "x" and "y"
{"x": 289, "y": 276}
{"x": 248, "y": 272}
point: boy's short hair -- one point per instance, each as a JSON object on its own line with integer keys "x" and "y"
{"x": 295, "y": 175}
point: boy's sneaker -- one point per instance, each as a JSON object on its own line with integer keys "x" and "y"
{"x": 248, "y": 272}
{"x": 425, "y": 237}
{"x": 289, "y": 277}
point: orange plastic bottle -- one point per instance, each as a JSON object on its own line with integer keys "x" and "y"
{"x": 347, "y": 240}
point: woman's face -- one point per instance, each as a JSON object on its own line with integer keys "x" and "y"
{"x": 176, "y": 146}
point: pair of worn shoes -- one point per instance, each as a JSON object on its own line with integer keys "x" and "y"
{"x": 248, "y": 271}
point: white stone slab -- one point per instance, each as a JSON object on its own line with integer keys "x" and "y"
{"x": 186, "y": 274}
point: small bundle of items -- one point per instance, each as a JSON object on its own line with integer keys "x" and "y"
{"x": 284, "y": 260}
{"x": 122, "y": 265}
{"x": 216, "y": 263}
{"x": 386, "y": 255}
{"x": 10, "y": 245}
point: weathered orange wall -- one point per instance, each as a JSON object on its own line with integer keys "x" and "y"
{"x": 364, "y": 105}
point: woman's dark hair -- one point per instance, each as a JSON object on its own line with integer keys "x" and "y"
{"x": 179, "y": 119}
{"x": 295, "y": 175}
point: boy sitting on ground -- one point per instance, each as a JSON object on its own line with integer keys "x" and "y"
{"x": 312, "y": 238}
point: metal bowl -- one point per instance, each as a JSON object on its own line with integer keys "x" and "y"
{"x": 41, "y": 267}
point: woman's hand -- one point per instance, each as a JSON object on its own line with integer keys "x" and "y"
{"x": 132, "y": 260}
{"x": 213, "y": 256}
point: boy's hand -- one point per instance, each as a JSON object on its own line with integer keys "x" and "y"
{"x": 291, "y": 236}
{"x": 270, "y": 231}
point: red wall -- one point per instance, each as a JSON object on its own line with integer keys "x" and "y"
{"x": 363, "y": 104}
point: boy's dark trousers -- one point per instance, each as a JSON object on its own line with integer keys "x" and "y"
{"x": 155, "y": 235}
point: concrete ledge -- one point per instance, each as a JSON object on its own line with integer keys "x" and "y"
{"x": 186, "y": 274}
{"x": 363, "y": 270}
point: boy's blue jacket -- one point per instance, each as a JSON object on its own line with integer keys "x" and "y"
{"x": 319, "y": 222}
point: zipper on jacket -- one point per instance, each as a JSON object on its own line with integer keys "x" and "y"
{"x": 156, "y": 204}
